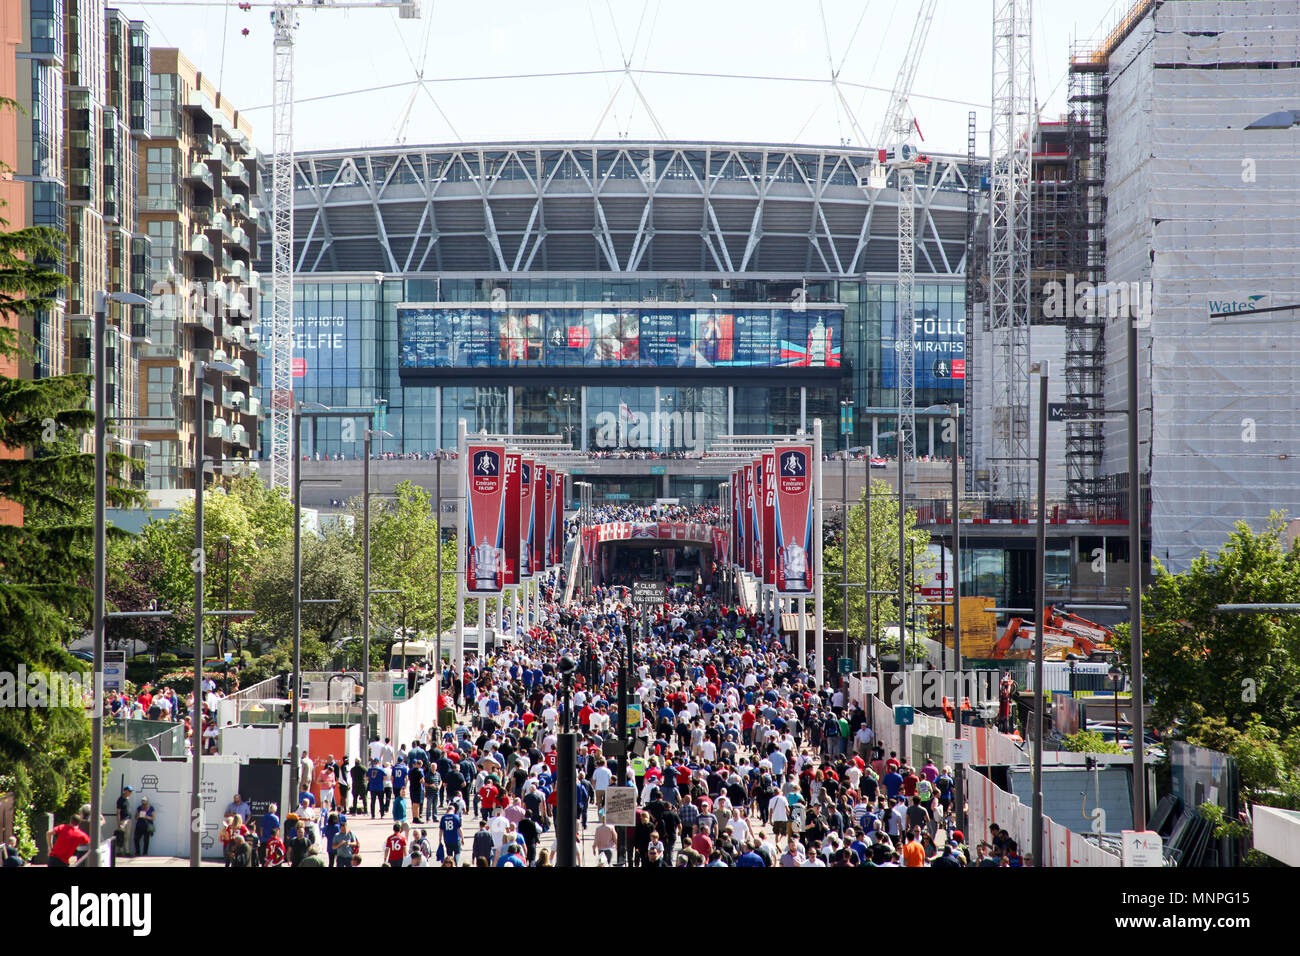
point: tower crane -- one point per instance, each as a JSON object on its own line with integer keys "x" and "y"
{"x": 898, "y": 153}
{"x": 284, "y": 21}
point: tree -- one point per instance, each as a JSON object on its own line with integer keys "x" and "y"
{"x": 403, "y": 543}
{"x": 884, "y": 565}
{"x": 1241, "y": 668}
{"x": 331, "y": 569}
{"x": 47, "y": 561}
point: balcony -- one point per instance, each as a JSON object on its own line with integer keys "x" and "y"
{"x": 239, "y": 239}
{"x": 201, "y": 215}
{"x": 237, "y": 270}
{"x": 220, "y": 223}
{"x": 239, "y": 435}
{"x": 199, "y": 175}
{"x": 236, "y": 175}
{"x": 254, "y": 406}
{"x": 217, "y": 428}
{"x": 233, "y": 400}
{"x": 201, "y": 248}
{"x": 200, "y": 319}
{"x": 199, "y": 102}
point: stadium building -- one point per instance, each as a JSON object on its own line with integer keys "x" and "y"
{"x": 628, "y": 297}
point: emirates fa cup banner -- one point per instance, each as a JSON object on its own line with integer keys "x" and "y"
{"x": 794, "y": 521}
{"x": 485, "y": 568}
{"x": 768, "y": 522}
{"x": 756, "y": 517}
{"x": 557, "y": 535}
{"x": 525, "y": 518}
{"x": 548, "y": 552}
{"x": 737, "y": 536}
{"x": 539, "y": 517}
{"x": 513, "y": 479}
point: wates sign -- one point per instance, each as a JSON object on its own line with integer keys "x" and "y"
{"x": 769, "y": 518}
{"x": 794, "y": 520}
{"x": 485, "y": 570}
{"x": 525, "y": 518}
{"x": 512, "y": 503}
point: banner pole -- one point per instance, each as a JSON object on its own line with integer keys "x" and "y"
{"x": 461, "y": 553}
{"x": 816, "y": 570}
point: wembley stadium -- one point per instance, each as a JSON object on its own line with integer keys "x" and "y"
{"x": 634, "y": 298}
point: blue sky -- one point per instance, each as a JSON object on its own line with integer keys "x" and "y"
{"x": 340, "y": 51}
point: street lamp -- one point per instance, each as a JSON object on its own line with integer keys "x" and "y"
{"x": 100, "y": 330}
{"x": 199, "y": 564}
{"x": 1040, "y": 589}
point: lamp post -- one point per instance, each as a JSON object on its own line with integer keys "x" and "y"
{"x": 199, "y": 566}
{"x": 225, "y": 620}
{"x": 566, "y": 767}
{"x": 846, "y": 406}
{"x": 99, "y": 331}
{"x": 365, "y": 585}
{"x": 1040, "y": 586}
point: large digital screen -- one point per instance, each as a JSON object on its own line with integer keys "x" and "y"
{"x": 647, "y": 335}
{"x": 939, "y": 341}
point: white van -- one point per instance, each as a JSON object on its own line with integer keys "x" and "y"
{"x": 400, "y": 656}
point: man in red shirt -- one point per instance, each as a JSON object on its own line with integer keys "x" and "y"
{"x": 487, "y": 796}
{"x": 65, "y": 840}
{"x": 395, "y": 846}
{"x": 910, "y": 780}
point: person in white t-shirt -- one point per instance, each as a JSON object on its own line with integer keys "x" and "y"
{"x": 778, "y": 810}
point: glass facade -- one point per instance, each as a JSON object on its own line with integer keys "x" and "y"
{"x": 349, "y": 352}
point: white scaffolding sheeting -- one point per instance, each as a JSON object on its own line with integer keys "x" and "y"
{"x": 1209, "y": 214}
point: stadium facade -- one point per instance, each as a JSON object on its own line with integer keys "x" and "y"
{"x": 625, "y": 296}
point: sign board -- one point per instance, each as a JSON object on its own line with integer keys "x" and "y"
{"x": 620, "y": 806}
{"x": 1057, "y": 412}
{"x": 114, "y": 669}
{"x": 1141, "y": 848}
{"x": 846, "y": 665}
{"x": 871, "y": 685}
{"x": 633, "y": 715}
{"x": 956, "y": 751}
{"x": 647, "y": 592}
{"x": 904, "y": 716}
{"x": 399, "y": 690}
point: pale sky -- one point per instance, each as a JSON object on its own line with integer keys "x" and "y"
{"x": 346, "y": 50}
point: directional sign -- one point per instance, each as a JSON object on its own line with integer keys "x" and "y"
{"x": 647, "y": 592}
{"x": 399, "y": 690}
{"x": 1141, "y": 848}
{"x": 846, "y": 665}
{"x": 620, "y": 806}
{"x": 904, "y": 716}
{"x": 957, "y": 751}
{"x": 114, "y": 669}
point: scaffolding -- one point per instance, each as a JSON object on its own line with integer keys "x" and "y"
{"x": 1085, "y": 329}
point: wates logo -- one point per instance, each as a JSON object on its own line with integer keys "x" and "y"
{"x": 793, "y": 472}
{"x": 486, "y": 474}
{"x": 1249, "y": 304}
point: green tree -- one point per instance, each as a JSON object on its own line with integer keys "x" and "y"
{"x": 1240, "y": 668}
{"x": 884, "y": 565}
{"x": 1090, "y": 742}
{"x": 46, "y": 562}
{"x": 331, "y": 570}
{"x": 403, "y": 543}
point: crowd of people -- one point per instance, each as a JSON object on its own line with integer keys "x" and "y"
{"x": 740, "y": 758}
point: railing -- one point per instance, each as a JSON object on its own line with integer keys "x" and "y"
{"x": 993, "y": 511}
{"x": 166, "y": 737}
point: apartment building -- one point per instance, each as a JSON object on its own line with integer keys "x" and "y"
{"x": 198, "y": 182}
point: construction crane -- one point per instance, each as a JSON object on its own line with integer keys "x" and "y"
{"x": 284, "y": 20}
{"x": 1009, "y": 234}
{"x": 897, "y": 152}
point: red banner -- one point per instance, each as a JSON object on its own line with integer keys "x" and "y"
{"x": 768, "y": 513}
{"x": 525, "y": 518}
{"x": 511, "y": 535}
{"x": 540, "y": 522}
{"x": 485, "y": 570}
{"x": 794, "y": 520}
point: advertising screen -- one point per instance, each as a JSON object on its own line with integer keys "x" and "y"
{"x": 644, "y": 335}
{"x": 939, "y": 342}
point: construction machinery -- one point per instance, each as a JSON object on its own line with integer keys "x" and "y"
{"x": 1063, "y": 633}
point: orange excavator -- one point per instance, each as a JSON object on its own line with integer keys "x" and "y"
{"x": 1063, "y": 633}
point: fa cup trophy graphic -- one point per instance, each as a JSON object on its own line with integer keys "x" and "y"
{"x": 794, "y": 562}
{"x": 487, "y": 562}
